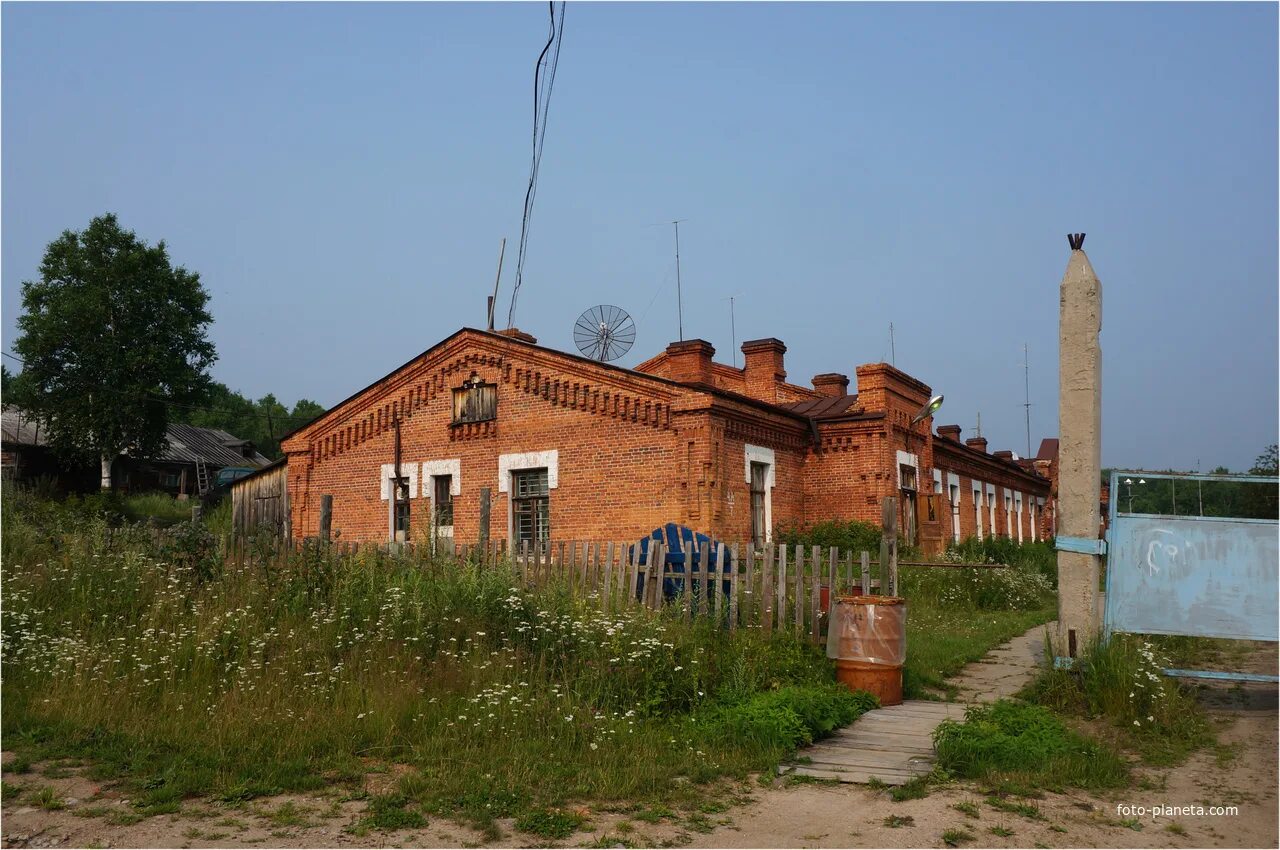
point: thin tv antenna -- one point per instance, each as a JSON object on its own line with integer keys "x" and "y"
{"x": 1026, "y": 380}
{"x": 893, "y": 352}
{"x": 679, "y": 295}
{"x": 502, "y": 250}
{"x": 733, "y": 332}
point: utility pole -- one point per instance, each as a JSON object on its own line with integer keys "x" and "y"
{"x": 1079, "y": 435}
{"x": 679, "y": 293}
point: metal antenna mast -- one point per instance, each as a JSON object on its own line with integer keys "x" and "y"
{"x": 1026, "y": 380}
{"x": 893, "y": 352}
{"x": 733, "y": 333}
{"x": 679, "y": 294}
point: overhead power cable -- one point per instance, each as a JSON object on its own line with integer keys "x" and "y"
{"x": 544, "y": 80}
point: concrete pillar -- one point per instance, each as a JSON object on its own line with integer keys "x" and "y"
{"x": 1080, "y": 447}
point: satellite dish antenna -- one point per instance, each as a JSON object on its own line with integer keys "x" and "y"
{"x": 604, "y": 333}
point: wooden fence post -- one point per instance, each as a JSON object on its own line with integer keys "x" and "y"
{"x": 866, "y": 573}
{"x": 719, "y": 584}
{"x": 780, "y": 608}
{"x": 734, "y": 585}
{"x": 889, "y": 546}
{"x": 486, "y": 506}
{"x": 326, "y": 517}
{"x": 816, "y": 595}
{"x": 767, "y": 596}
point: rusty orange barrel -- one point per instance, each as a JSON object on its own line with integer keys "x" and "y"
{"x": 867, "y": 639}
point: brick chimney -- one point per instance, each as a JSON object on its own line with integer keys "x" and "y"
{"x": 516, "y": 333}
{"x": 689, "y": 361}
{"x": 831, "y": 384}
{"x": 762, "y": 360}
{"x": 979, "y": 443}
{"x": 951, "y": 432}
{"x": 881, "y": 387}
{"x": 1003, "y": 455}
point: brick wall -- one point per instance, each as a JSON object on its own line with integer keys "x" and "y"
{"x": 633, "y": 449}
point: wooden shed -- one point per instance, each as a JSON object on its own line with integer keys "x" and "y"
{"x": 262, "y": 499}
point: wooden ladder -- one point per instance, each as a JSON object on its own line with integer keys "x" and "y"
{"x": 202, "y": 477}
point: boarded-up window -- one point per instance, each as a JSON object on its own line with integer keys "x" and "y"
{"x": 475, "y": 401}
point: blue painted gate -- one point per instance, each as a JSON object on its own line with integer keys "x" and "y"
{"x": 1192, "y": 575}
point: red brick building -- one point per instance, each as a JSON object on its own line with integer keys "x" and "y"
{"x": 573, "y": 449}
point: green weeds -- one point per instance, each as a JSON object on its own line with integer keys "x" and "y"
{"x": 124, "y": 647}
{"x": 46, "y": 798}
{"x": 391, "y": 812}
{"x": 1120, "y": 682}
{"x": 1008, "y": 741}
{"x": 956, "y": 837}
{"x": 549, "y": 823}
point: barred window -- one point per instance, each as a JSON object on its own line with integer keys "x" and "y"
{"x": 530, "y": 502}
{"x": 759, "y": 474}
{"x": 443, "y": 485}
{"x": 475, "y": 401}
{"x": 400, "y": 491}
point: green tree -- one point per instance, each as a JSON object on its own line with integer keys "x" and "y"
{"x": 110, "y": 335}
{"x": 1267, "y": 463}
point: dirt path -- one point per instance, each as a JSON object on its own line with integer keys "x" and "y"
{"x": 1240, "y": 772}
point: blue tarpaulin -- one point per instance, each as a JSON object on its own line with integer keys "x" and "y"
{"x": 674, "y": 537}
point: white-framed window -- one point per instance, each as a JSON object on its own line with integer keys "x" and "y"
{"x": 402, "y": 490}
{"x": 991, "y": 508}
{"x": 953, "y": 496}
{"x": 1008, "y": 515}
{"x": 759, "y": 467}
{"x": 977, "y": 508}
{"x": 528, "y": 478}
{"x": 441, "y": 481}
{"x": 1017, "y": 506}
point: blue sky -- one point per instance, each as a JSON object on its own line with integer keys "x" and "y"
{"x": 341, "y": 176}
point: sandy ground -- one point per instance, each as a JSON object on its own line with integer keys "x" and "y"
{"x": 1240, "y": 772}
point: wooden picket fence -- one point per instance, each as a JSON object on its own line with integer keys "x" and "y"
{"x": 773, "y": 588}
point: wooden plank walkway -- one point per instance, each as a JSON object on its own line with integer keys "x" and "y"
{"x": 895, "y": 744}
{"x": 892, "y": 744}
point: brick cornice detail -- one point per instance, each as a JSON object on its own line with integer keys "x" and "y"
{"x": 423, "y": 380}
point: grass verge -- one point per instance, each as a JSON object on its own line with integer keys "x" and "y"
{"x": 1120, "y": 683}
{"x": 1009, "y": 744}
{"x": 184, "y": 678}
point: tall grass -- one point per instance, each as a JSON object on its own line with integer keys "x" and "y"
{"x": 1120, "y": 681}
{"x": 956, "y": 615}
{"x": 246, "y": 679}
{"x": 1009, "y": 744}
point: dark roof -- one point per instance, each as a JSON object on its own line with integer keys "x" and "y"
{"x": 187, "y": 444}
{"x": 1048, "y": 449}
{"x": 19, "y": 428}
{"x": 260, "y": 470}
{"x": 823, "y": 408}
